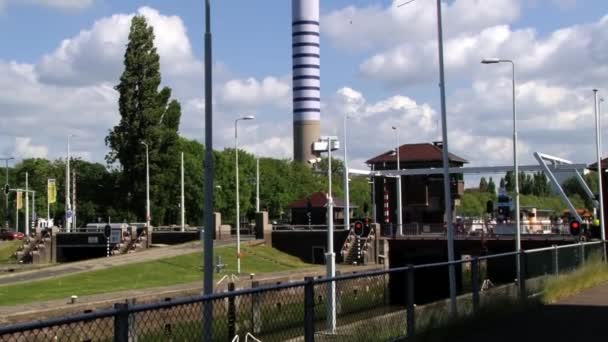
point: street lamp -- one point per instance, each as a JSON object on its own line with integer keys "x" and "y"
{"x": 598, "y": 146}
{"x": 68, "y": 207}
{"x": 238, "y": 217}
{"x": 147, "y": 188}
{"x": 399, "y": 203}
{"x": 515, "y": 162}
{"x": 6, "y": 190}
{"x": 346, "y": 176}
{"x": 327, "y": 144}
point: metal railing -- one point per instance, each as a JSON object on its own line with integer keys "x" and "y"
{"x": 376, "y": 305}
{"x": 306, "y": 227}
{"x": 469, "y": 229}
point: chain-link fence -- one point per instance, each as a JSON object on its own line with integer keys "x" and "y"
{"x": 381, "y": 305}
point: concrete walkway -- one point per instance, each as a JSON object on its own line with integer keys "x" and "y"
{"x": 582, "y": 317}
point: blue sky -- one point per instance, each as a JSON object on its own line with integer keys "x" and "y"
{"x": 378, "y": 62}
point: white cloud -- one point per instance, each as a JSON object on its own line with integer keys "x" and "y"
{"x": 376, "y": 26}
{"x": 250, "y": 92}
{"x": 103, "y": 47}
{"x": 25, "y": 149}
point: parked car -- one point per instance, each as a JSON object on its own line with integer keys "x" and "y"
{"x": 6, "y": 234}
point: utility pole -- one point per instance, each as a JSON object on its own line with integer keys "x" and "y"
{"x": 346, "y": 185}
{"x": 6, "y": 191}
{"x": 208, "y": 176}
{"x": 27, "y": 206}
{"x": 598, "y": 150}
{"x": 183, "y": 201}
{"x": 68, "y": 207}
{"x": 74, "y": 215}
{"x": 257, "y": 185}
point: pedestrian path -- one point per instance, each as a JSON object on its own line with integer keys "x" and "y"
{"x": 582, "y": 317}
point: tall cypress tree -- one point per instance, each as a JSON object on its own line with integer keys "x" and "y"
{"x": 147, "y": 115}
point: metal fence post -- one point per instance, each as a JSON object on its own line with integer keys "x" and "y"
{"x": 121, "y": 322}
{"x": 475, "y": 283}
{"x": 582, "y": 253}
{"x": 410, "y": 319}
{"x": 521, "y": 277}
{"x": 555, "y": 260}
{"x": 231, "y": 313}
{"x": 309, "y": 310}
{"x": 256, "y": 316}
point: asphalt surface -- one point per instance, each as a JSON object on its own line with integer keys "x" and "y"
{"x": 582, "y": 317}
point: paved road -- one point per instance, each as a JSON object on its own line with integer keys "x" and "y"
{"x": 102, "y": 263}
{"x": 582, "y": 317}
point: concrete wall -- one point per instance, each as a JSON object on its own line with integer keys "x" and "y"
{"x": 310, "y": 246}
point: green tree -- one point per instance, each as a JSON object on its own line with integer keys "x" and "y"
{"x": 509, "y": 181}
{"x": 502, "y": 183}
{"x": 483, "y": 184}
{"x": 147, "y": 115}
{"x": 491, "y": 186}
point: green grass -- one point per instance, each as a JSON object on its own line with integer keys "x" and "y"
{"x": 7, "y": 251}
{"x": 593, "y": 273}
{"x": 164, "y": 272}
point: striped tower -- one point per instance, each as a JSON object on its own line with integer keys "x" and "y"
{"x": 306, "y": 78}
{"x": 386, "y": 204}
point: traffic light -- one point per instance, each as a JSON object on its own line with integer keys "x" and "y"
{"x": 359, "y": 228}
{"x": 575, "y": 227}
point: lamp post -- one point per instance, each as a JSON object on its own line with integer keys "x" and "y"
{"x": 238, "y": 216}
{"x": 183, "y": 199}
{"x": 209, "y": 177}
{"x": 399, "y": 203}
{"x": 68, "y": 206}
{"x": 6, "y": 191}
{"x": 515, "y": 160}
{"x": 257, "y": 185}
{"x": 346, "y": 183}
{"x": 147, "y": 187}
{"x": 598, "y": 148}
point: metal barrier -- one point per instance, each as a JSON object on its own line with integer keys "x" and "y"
{"x": 300, "y": 311}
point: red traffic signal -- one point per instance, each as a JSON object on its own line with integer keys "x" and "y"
{"x": 359, "y": 228}
{"x": 575, "y": 227}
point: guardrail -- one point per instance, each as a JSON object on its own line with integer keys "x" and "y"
{"x": 494, "y": 229}
{"x": 299, "y": 311}
{"x": 311, "y": 227}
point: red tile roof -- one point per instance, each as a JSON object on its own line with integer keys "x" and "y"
{"x": 424, "y": 152}
{"x": 317, "y": 200}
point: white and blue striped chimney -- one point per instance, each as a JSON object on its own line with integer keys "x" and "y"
{"x": 306, "y": 78}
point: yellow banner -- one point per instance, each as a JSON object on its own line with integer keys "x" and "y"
{"x": 19, "y": 200}
{"x": 52, "y": 191}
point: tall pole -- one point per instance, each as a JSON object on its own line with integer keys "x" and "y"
{"x": 399, "y": 203}
{"x": 257, "y": 185}
{"x": 74, "y": 223}
{"x": 27, "y": 206}
{"x": 330, "y": 256}
{"x": 183, "y": 200}
{"x": 598, "y": 150}
{"x": 6, "y": 187}
{"x": 34, "y": 217}
{"x": 346, "y": 183}
{"x": 446, "y": 165}
{"x": 516, "y": 170}
{"x": 68, "y": 217}
{"x": 147, "y": 188}
{"x": 238, "y": 209}
{"x": 208, "y": 177}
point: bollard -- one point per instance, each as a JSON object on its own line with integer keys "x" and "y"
{"x": 309, "y": 309}
{"x": 410, "y": 312}
{"x": 475, "y": 283}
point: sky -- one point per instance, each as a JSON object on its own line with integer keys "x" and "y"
{"x": 60, "y": 59}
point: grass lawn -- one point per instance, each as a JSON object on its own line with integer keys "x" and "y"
{"x": 163, "y": 272}
{"x": 593, "y": 273}
{"x": 8, "y": 249}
